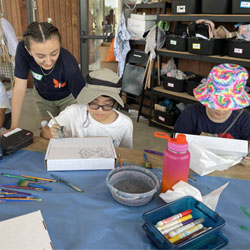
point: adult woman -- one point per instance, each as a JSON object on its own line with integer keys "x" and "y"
{"x": 56, "y": 76}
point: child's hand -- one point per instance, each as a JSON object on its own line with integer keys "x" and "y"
{"x": 57, "y": 131}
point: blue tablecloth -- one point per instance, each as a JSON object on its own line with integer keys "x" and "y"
{"x": 93, "y": 220}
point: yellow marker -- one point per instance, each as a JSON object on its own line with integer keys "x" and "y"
{"x": 120, "y": 160}
{"x": 38, "y": 178}
{"x": 171, "y": 223}
{"x": 186, "y": 233}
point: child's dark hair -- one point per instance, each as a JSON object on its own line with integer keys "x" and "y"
{"x": 40, "y": 32}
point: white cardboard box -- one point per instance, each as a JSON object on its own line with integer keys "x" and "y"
{"x": 25, "y": 232}
{"x": 139, "y": 26}
{"x": 220, "y": 146}
{"x": 89, "y": 153}
{"x": 144, "y": 17}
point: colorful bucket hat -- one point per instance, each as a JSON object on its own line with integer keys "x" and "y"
{"x": 224, "y": 88}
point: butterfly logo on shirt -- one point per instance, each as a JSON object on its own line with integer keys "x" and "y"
{"x": 59, "y": 85}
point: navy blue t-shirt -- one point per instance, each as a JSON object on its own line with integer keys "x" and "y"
{"x": 66, "y": 77}
{"x": 194, "y": 120}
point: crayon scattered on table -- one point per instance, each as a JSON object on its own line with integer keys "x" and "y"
{"x": 16, "y": 176}
{"x": 38, "y": 178}
{"x": 191, "y": 177}
{"x": 120, "y": 160}
{"x": 147, "y": 163}
{"x": 153, "y": 152}
{"x": 59, "y": 179}
{"x": 29, "y": 188}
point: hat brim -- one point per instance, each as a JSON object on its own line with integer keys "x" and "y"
{"x": 219, "y": 102}
{"x": 89, "y": 93}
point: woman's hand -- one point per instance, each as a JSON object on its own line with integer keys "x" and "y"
{"x": 57, "y": 131}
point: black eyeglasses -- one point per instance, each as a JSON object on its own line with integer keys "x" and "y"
{"x": 97, "y": 106}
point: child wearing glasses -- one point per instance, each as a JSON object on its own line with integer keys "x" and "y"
{"x": 95, "y": 113}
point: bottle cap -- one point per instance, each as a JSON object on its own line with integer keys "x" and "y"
{"x": 178, "y": 144}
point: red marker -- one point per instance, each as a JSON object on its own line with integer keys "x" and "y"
{"x": 174, "y": 217}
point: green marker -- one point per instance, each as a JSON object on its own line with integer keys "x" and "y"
{"x": 17, "y": 177}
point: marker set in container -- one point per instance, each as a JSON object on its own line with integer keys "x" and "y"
{"x": 181, "y": 227}
{"x": 185, "y": 224}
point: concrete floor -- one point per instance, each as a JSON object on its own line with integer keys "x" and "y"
{"x": 143, "y": 134}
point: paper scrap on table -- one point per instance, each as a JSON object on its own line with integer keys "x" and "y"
{"x": 25, "y": 232}
{"x": 182, "y": 189}
{"x": 203, "y": 161}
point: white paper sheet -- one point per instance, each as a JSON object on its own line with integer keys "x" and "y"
{"x": 182, "y": 189}
{"x": 203, "y": 161}
{"x": 25, "y": 232}
{"x": 220, "y": 146}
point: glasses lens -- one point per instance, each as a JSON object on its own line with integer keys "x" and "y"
{"x": 107, "y": 107}
{"x": 104, "y": 107}
{"x": 93, "y": 106}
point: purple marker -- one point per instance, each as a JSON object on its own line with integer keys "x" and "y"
{"x": 153, "y": 152}
{"x": 181, "y": 224}
{"x": 13, "y": 191}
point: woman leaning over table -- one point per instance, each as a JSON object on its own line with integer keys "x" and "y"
{"x": 56, "y": 75}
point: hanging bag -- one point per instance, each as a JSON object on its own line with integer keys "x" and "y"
{"x": 133, "y": 76}
{"x": 202, "y": 28}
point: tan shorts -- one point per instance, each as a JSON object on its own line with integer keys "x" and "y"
{"x": 55, "y": 107}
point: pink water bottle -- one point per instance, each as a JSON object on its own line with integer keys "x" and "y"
{"x": 176, "y": 162}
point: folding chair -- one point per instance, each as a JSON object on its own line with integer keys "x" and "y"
{"x": 133, "y": 79}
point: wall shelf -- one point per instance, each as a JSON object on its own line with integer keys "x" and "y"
{"x": 213, "y": 59}
{"x": 160, "y": 5}
{"x": 179, "y": 96}
{"x": 154, "y": 122}
{"x": 211, "y": 17}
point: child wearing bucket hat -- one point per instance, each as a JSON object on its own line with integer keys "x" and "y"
{"x": 220, "y": 111}
{"x": 94, "y": 115}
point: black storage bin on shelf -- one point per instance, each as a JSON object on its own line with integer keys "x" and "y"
{"x": 173, "y": 84}
{"x": 215, "y": 6}
{"x": 240, "y": 7}
{"x": 192, "y": 83}
{"x": 167, "y": 118}
{"x": 186, "y": 6}
{"x": 177, "y": 43}
{"x": 238, "y": 48}
{"x": 206, "y": 47}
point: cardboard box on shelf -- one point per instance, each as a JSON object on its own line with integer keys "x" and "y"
{"x": 104, "y": 49}
{"x": 139, "y": 26}
{"x": 144, "y": 17}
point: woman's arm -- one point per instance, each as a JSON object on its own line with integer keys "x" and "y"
{"x": 18, "y": 95}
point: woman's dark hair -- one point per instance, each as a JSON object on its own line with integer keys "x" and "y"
{"x": 40, "y": 32}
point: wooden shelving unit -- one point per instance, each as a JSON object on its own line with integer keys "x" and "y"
{"x": 160, "y": 91}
